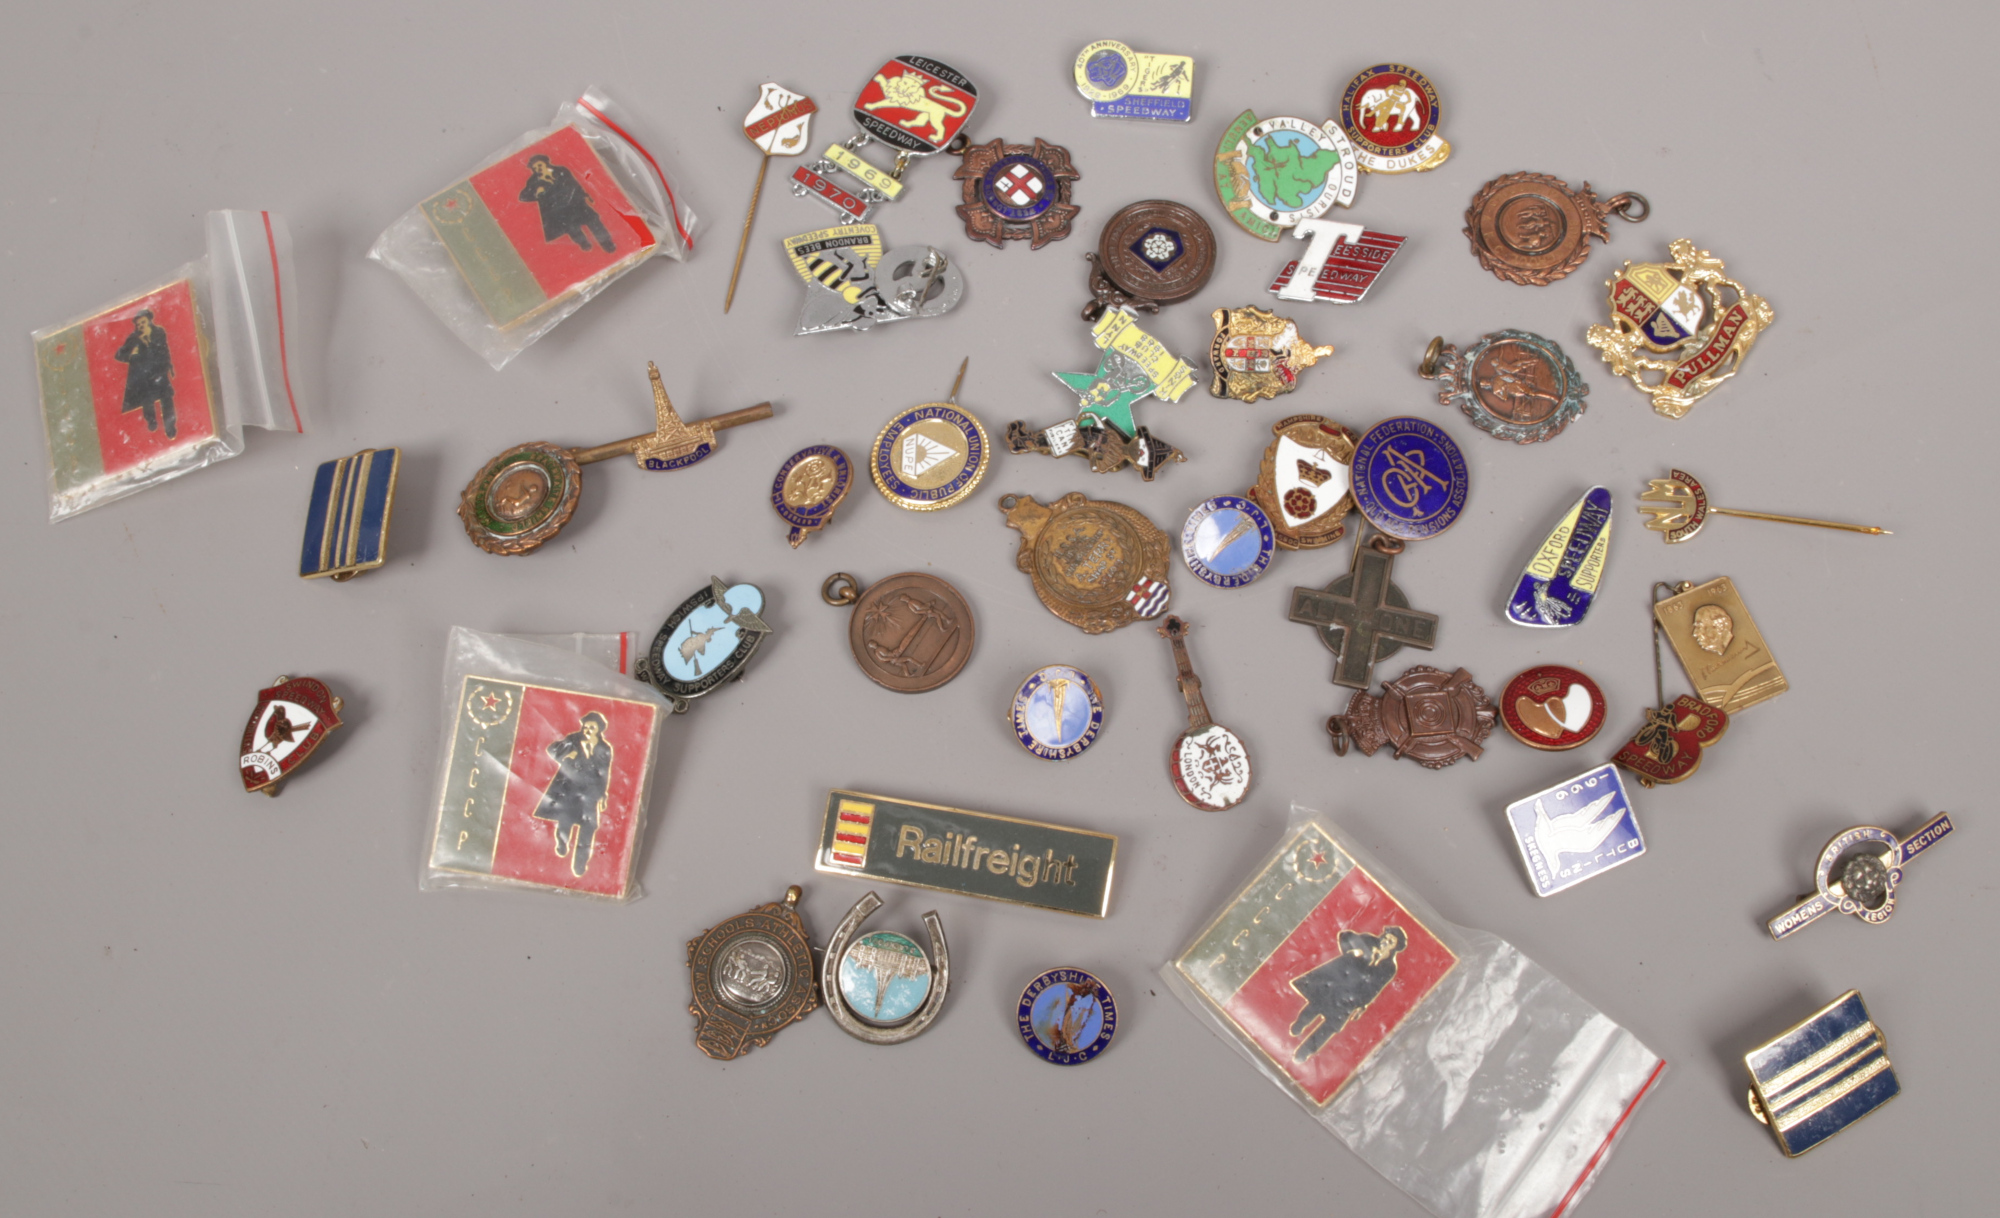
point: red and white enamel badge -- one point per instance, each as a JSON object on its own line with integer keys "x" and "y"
{"x": 915, "y": 104}
{"x": 1391, "y": 114}
{"x": 292, "y": 718}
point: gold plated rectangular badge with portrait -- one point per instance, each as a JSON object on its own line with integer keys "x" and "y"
{"x": 1718, "y": 642}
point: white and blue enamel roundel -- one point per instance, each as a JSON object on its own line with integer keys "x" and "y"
{"x": 1227, "y": 541}
{"x": 1019, "y": 188}
{"x": 1057, "y": 712}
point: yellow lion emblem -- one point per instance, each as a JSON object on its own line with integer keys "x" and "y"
{"x": 929, "y": 107}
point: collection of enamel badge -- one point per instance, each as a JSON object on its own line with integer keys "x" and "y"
{"x": 1677, "y": 329}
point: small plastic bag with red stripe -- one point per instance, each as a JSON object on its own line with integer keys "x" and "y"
{"x": 1458, "y": 1068}
{"x": 510, "y": 249}
{"x": 162, "y": 381}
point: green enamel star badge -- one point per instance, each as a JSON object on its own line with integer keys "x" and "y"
{"x": 1109, "y": 393}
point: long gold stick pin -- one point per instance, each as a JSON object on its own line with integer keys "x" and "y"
{"x": 1683, "y": 507}
{"x": 778, "y": 125}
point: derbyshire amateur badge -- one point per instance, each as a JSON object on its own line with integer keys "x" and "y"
{"x": 1684, "y": 320}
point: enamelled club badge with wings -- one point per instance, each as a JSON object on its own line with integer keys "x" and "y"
{"x": 1315, "y": 964}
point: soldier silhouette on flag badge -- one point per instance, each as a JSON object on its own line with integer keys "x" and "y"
{"x": 1342, "y": 988}
{"x": 575, "y": 797}
{"x": 149, "y": 372}
{"x": 566, "y": 206}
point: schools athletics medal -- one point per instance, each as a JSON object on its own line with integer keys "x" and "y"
{"x": 753, "y": 977}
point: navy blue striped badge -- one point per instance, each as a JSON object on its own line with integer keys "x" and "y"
{"x": 1821, "y": 1076}
{"x": 347, "y": 523}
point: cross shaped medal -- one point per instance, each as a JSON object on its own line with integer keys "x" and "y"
{"x": 1362, "y": 617}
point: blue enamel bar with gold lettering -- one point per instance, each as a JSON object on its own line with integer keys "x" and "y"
{"x": 347, "y": 523}
{"x": 1001, "y": 858}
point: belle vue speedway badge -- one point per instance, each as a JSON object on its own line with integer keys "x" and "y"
{"x": 1315, "y": 965}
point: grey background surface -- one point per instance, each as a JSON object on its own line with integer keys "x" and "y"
{"x": 218, "y": 1004}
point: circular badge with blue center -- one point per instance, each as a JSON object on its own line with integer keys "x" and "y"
{"x": 1018, "y": 188}
{"x": 1227, "y": 541}
{"x": 885, "y": 978}
{"x": 1067, "y": 1017}
{"x": 930, "y": 457}
{"x": 1057, "y": 712}
{"x": 1409, "y": 478}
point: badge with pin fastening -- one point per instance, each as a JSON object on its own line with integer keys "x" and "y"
{"x": 753, "y": 977}
{"x": 929, "y": 457}
{"x": 347, "y": 520}
{"x": 1553, "y": 707}
{"x": 525, "y": 496}
{"x": 1858, "y": 873}
{"x": 1209, "y": 764}
{"x": 1687, "y": 310}
{"x": 1668, "y": 746}
{"x": 1513, "y": 385}
{"x": 809, "y": 486}
{"x": 1057, "y": 712}
{"x": 1257, "y": 355}
{"x": 1576, "y": 830}
{"x": 1227, "y": 541}
{"x": 1677, "y": 506}
{"x": 1017, "y": 192}
{"x": 291, "y": 720}
{"x": 1303, "y": 484}
{"x": 1066, "y": 1016}
{"x": 778, "y": 125}
{"x": 880, "y": 987}
{"x": 1820, "y": 1076}
{"x": 1152, "y": 253}
{"x": 1532, "y": 229}
{"x": 1123, "y": 83}
{"x": 1340, "y": 263}
{"x": 915, "y": 105}
{"x": 1559, "y": 584}
{"x": 706, "y": 641}
{"x": 1391, "y": 113}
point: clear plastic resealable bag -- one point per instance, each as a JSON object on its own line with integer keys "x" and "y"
{"x": 1450, "y": 1062}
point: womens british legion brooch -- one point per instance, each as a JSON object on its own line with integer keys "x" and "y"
{"x": 1679, "y": 307}
{"x": 1066, "y": 1017}
{"x": 1513, "y": 385}
{"x": 291, "y": 719}
{"x": 1560, "y": 582}
{"x": 1303, "y": 483}
{"x": 1095, "y": 564}
{"x": 1272, "y": 173}
{"x": 914, "y": 104}
{"x": 1209, "y": 763}
{"x": 525, "y": 496}
{"x": 852, "y": 285}
{"x": 1858, "y": 873}
{"x": 753, "y": 977}
{"x": 1531, "y": 229}
{"x": 1820, "y": 1076}
{"x": 1575, "y": 830}
{"x": 1391, "y": 115}
{"x": 1120, "y": 82}
{"x": 809, "y": 486}
{"x": 708, "y": 640}
{"x": 1057, "y": 712}
{"x": 1428, "y": 715}
{"x": 880, "y": 987}
{"x": 911, "y": 632}
{"x": 347, "y": 521}
{"x": 1152, "y": 253}
{"x": 929, "y": 457}
{"x": 1257, "y": 355}
{"x": 1017, "y": 192}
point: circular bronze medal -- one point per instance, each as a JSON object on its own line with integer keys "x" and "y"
{"x": 1094, "y": 564}
{"x": 1150, "y": 254}
{"x": 1530, "y": 228}
{"x": 1513, "y": 385}
{"x": 1303, "y": 485}
{"x": 910, "y": 632}
{"x": 1431, "y": 716}
{"x": 521, "y": 498}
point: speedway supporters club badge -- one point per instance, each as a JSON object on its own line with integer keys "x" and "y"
{"x": 705, "y": 642}
{"x": 1341, "y": 262}
{"x": 913, "y": 104}
{"x": 1559, "y": 583}
{"x": 1391, "y": 114}
{"x": 852, "y": 285}
{"x": 1123, "y": 83}
{"x": 1685, "y": 309}
{"x": 1272, "y": 173}
{"x": 1315, "y": 965}
{"x": 543, "y": 787}
{"x": 292, "y": 718}
{"x": 1017, "y": 192}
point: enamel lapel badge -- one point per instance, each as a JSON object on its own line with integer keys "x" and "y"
{"x": 1576, "y": 830}
{"x": 1391, "y": 115}
{"x": 1552, "y": 707}
{"x": 1272, "y": 173}
{"x": 1560, "y": 582}
{"x": 1153, "y": 253}
{"x": 1303, "y": 483}
{"x": 777, "y": 125}
{"x": 1513, "y": 385}
{"x": 1017, "y": 192}
{"x": 851, "y": 284}
{"x": 1341, "y": 262}
{"x": 705, "y": 642}
{"x": 809, "y": 486}
{"x": 1096, "y": 565}
{"x": 1820, "y": 1076}
{"x": 1677, "y": 506}
{"x": 915, "y": 105}
{"x": 880, "y": 987}
{"x": 1057, "y": 712}
{"x": 292, "y": 719}
{"x": 1674, "y": 319}
{"x": 1066, "y": 1017}
{"x": 1257, "y": 355}
{"x": 1120, "y": 82}
{"x": 1210, "y": 764}
{"x": 1132, "y": 365}
{"x": 929, "y": 457}
{"x": 347, "y": 521}
{"x": 1858, "y": 873}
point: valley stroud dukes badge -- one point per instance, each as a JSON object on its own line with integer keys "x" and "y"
{"x": 1001, "y": 858}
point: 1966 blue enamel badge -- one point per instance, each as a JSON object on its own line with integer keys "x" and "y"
{"x": 1057, "y": 712}
{"x": 705, "y": 642}
{"x": 1410, "y": 478}
{"x": 1575, "y": 830}
{"x": 1066, "y": 1016}
{"x": 1227, "y": 541}
{"x": 1560, "y": 581}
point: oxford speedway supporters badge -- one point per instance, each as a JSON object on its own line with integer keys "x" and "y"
{"x": 1017, "y": 192}
{"x": 1576, "y": 830}
{"x": 1272, "y": 173}
{"x": 1560, "y": 581}
{"x": 292, "y": 718}
{"x": 1123, "y": 83}
{"x": 1316, "y": 965}
{"x": 1391, "y": 114}
{"x": 1685, "y": 309}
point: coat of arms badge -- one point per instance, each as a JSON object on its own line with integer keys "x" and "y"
{"x": 1303, "y": 484}
{"x": 1679, "y": 309}
{"x": 1257, "y": 355}
{"x": 1017, "y": 192}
